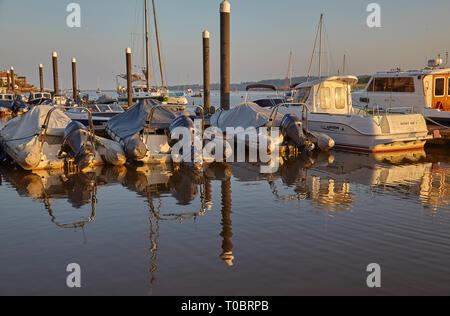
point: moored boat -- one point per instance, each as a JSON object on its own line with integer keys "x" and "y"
{"x": 147, "y": 132}
{"x": 425, "y": 91}
{"x": 331, "y": 111}
{"x": 46, "y": 138}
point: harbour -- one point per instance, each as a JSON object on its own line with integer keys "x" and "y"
{"x": 278, "y": 188}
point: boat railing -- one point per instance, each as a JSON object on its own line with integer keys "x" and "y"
{"x": 305, "y": 113}
{"x": 44, "y": 128}
{"x": 404, "y": 109}
{"x": 377, "y": 111}
{"x": 148, "y": 123}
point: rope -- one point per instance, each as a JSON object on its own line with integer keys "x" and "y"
{"x": 436, "y": 123}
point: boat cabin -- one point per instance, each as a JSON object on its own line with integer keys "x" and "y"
{"x": 328, "y": 95}
{"x": 437, "y": 91}
{"x": 6, "y": 97}
{"x": 417, "y": 89}
{"x": 40, "y": 95}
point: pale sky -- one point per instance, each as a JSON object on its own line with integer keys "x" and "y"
{"x": 263, "y": 34}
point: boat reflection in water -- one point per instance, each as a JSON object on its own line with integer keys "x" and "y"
{"x": 327, "y": 184}
{"x": 46, "y": 186}
{"x": 327, "y": 179}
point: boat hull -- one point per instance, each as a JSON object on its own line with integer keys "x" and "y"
{"x": 370, "y": 133}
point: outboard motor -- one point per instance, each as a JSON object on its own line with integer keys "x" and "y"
{"x": 181, "y": 121}
{"x": 292, "y": 131}
{"x": 18, "y": 106}
{"x": 135, "y": 148}
{"x": 76, "y": 145}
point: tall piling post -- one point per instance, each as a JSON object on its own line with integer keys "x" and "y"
{"x": 13, "y": 80}
{"x": 206, "y": 73}
{"x": 225, "y": 10}
{"x": 129, "y": 75}
{"x": 74, "y": 80}
{"x": 41, "y": 77}
{"x": 8, "y": 79}
{"x": 55, "y": 74}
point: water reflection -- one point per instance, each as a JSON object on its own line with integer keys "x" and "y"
{"x": 330, "y": 183}
{"x": 46, "y": 186}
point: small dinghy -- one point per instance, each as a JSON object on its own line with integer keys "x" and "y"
{"x": 46, "y": 138}
{"x": 147, "y": 132}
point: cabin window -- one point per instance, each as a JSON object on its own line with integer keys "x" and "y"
{"x": 371, "y": 85}
{"x": 439, "y": 87}
{"x": 340, "y": 98}
{"x": 448, "y": 88}
{"x": 303, "y": 95}
{"x": 382, "y": 85}
{"x": 403, "y": 85}
{"x": 325, "y": 98}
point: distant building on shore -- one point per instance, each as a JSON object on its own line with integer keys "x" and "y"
{"x": 20, "y": 82}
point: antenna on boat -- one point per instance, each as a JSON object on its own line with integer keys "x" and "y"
{"x": 344, "y": 65}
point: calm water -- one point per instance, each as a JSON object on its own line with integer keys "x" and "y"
{"x": 311, "y": 228}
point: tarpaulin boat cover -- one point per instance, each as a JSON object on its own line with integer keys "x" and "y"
{"x": 20, "y": 136}
{"x": 6, "y": 104}
{"x": 245, "y": 115}
{"x": 29, "y": 125}
{"x": 133, "y": 121}
{"x": 105, "y": 99}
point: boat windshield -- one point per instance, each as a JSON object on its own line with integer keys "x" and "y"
{"x": 116, "y": 108}
{"x": 104, "y": 108}
{"x": 6, "y": 97}
{"x": 303, "y": 94}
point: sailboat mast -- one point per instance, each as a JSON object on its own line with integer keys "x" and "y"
{"x": 288, "y": 75}
{"x": 320, "y": 49}
{"x": 157, "y": 42}
{"x": 147, "y": 47}
{"x": 344, "y": 65}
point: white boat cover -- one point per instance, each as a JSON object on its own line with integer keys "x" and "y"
{"x": 245, "y": 115}
{"x": 20, "y": 136}
{"x": 133, "y": 121}
{"x": 30, "y": 124}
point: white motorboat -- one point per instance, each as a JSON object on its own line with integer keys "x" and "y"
{"x": 101, "y": 114}
{"x": 330, "y": 111}
{"x": 46, "y": 138}
{"x": 426, "y": 91}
